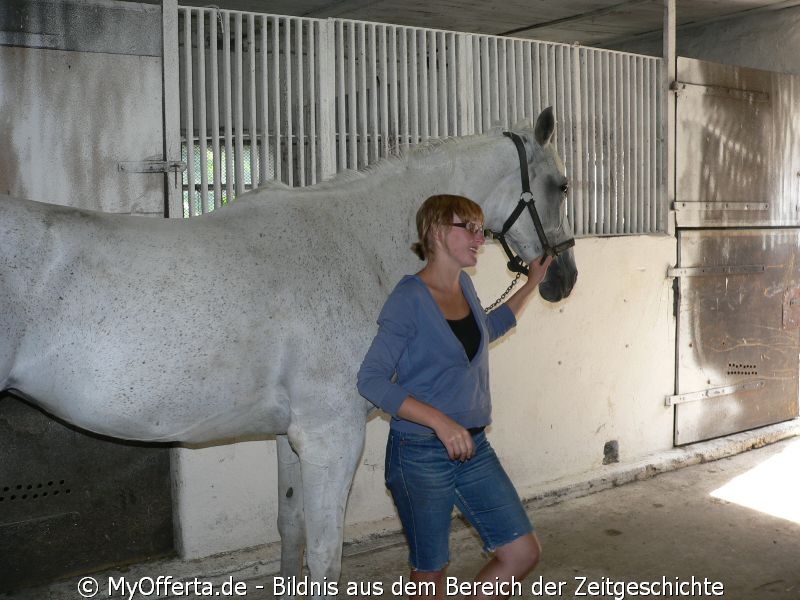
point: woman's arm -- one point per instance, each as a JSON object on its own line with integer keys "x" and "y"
{"x": 456, "y": 439}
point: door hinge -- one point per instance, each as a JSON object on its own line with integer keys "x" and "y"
{"x": 715, "y": 392}
{"x": 152, "y": 166}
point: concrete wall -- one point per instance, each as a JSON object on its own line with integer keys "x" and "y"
{"x": 767, "y": 40}
{"x": 571, "y": 377}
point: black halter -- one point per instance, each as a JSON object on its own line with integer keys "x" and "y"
{"x": 515, "y": 263}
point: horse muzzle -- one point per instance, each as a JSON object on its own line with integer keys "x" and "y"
{"x": 560, "y": 277}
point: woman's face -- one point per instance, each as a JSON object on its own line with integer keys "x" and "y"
{"x": 462, "y": 241}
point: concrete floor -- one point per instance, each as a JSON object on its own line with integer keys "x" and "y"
{"x": 732, "y": 522}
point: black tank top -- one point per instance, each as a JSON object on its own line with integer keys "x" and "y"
{"x": 468, "y": 334}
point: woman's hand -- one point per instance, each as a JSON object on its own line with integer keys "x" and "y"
{"x": 538, "y": 269}
{"x": 456, "y": 439}
{"x": 536, "y": 272}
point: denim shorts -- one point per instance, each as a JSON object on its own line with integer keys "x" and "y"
{"x": 426, "y": 484}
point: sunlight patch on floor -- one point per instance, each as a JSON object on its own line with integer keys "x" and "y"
{"x": 773, "y": 487}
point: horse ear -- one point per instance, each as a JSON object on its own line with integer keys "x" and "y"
{"x": 545, "y": 125}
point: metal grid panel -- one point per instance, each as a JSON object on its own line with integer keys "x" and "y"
{"x": 296, "y": 100}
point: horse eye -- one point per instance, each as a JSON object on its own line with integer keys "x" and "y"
{"x": 565, "y": 189}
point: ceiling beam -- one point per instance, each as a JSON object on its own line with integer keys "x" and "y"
{"x": 578, "y": 17}
{"x": 335, "y": 9}
{"x": 645, "y": 35}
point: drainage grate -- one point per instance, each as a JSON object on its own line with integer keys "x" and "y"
{"x": 742, "y": 369}
{"x": 34, "y": 491}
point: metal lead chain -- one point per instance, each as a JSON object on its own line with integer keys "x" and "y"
{"x": 502, "y": 297}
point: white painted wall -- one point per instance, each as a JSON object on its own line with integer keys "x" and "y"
{"x": 571, "y": 377}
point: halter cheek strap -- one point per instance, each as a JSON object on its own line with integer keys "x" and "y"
{"x": 515, "y": 263}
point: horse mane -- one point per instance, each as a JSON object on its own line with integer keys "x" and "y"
{"x": 398, "y": 159}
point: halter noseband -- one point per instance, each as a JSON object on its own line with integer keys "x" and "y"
{"x": 515, "y": 263}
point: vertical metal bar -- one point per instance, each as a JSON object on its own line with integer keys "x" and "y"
{"x": 277, "y": 97}
{"x": 511, "y": 62}
{"x": 462, "y": 85}
{"x": 502, "y": 63}
{"x": 188, "y": 110}
{"x": 495, "y": 81}
{"x": 536, "y": 81}
{"x": 264, "y": 101}
{"x": 644, "y": 212}
{"x": 559, "y": 90}
{"x": 544, "y": 77}
{"x": 394, "y": 114}
{"x": 328, "y": 60}
{"x": 478, "y": 87}
{"x": 352, "y": 98}
{"x": 628, "y": 76}
{"x": 444, "y": 98}
{"x": 668, "y": 104}
{"x": 238, "y": 87}
{"x": 653, "y": 141}
{"x": 363, "y": 145}
{"x": 527, "y": 80}
{"x": 289, "y": 103}
{"x": 488, "y": 84}
{"x": 373, "y": 91}
{"x": 413, "y": 79}
{"x": 587, "y": 140}
{"x": 433, "y": 83}
{"x": 313, "y": 101}
{"x": 602, "y": 171}
{"x": 422, "y": 49}
{"x": 251, "y": 48}
{"x": 227, "y": 105}
{"x": 634, "y": 91}
{"x": 216, "y": 151}
{"x": 171, "y": 67}
{"x": 384, "y": 78}
{"x": 647, "y": 140}
{"x": 637, "y": 144}
{"x": 300, "y": 146}
{"x": 574, "y": 100}
{"x": 405, "y": 81}
{"x": 456, "y": 73}
{"x": 202, "y": 126}
{"x": 619, "y": 150}
{"x": 341, "y": 98}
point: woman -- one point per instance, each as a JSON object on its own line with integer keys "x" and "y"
{"x": 428, "y": 368}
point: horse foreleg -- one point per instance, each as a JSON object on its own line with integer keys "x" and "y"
{"x": 291, "y": 524}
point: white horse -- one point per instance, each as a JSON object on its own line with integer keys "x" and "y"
{"x": 251, "y": 320}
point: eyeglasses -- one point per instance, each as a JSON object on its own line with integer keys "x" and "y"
{"x": 471, "y": 226}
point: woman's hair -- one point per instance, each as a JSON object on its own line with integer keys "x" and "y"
{"x": 438, "y": 211}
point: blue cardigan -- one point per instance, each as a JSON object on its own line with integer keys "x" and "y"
{"x": 415, "y": 353}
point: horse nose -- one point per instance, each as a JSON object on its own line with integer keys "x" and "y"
{"x": 559, "y": 281}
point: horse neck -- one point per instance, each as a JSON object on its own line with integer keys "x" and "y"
{"x": 469, "y": 167}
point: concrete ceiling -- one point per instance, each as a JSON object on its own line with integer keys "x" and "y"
{"x": 589, "y": 22}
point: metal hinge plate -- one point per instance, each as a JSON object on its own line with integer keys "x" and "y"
{"x": 714, "y": 392}
{"x": 722, "y": 270}
{"x": 719, "y": 206}
{"x": 152, "y": 166}
{"x": 751, "y": 96}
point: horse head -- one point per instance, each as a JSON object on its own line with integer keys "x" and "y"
{"x": 533, "y": 222}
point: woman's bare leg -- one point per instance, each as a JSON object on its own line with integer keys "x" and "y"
{"x": 422, "y": 578}
{"x": 515, "y": 559}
